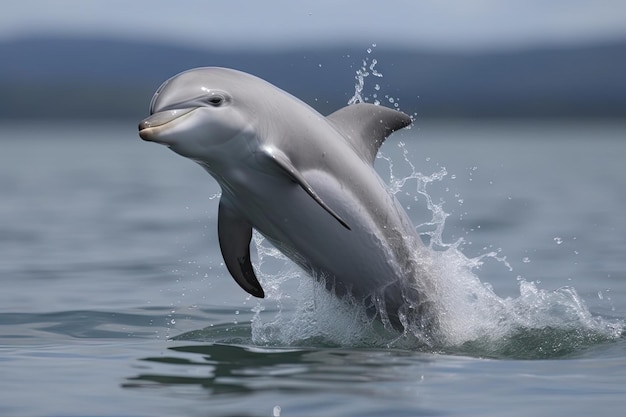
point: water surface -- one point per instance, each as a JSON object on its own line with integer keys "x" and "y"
{"x": 115, "y": 300}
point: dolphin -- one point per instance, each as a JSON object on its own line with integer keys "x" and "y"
{"x": 306, "y": 182}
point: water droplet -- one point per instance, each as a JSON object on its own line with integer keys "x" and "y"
{"x": 377, "y": 87}
{"x": 276, "y": 411}
{"x": 526, "y": 259}
{"x": 558, "y": 240}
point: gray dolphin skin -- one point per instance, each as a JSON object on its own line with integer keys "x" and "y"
{"x": 306, "y": 182}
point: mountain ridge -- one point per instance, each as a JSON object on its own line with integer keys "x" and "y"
{"x": 110, "y": 78}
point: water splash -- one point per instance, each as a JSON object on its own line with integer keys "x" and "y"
{"x": 367, "y": 69}
{"x": 472, "y": 319}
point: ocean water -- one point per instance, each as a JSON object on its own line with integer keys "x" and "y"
{"x": 114, "y": 300}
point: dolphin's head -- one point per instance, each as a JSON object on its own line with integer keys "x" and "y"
{"x": 196, "y": 111}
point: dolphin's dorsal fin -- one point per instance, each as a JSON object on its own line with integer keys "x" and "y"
{"x": 234, "y": 234}
{"x": 366, "y": 126}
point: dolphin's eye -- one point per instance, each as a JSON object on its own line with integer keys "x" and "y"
{"x": 215, "y": 100}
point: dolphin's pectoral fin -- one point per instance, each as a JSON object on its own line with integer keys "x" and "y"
{"x": 235, "y": 234}
{"x": 366, "y": 126}
{"x": 283, "y": 162}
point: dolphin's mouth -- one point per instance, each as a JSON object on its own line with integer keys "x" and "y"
{"x": 147, "y": 126}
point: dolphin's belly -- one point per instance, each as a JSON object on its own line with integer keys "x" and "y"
{"x": 365, "y": 260}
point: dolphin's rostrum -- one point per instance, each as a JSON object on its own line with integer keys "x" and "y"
{"x": 304, "y": 181}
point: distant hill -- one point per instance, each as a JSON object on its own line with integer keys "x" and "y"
{"x": 51, "y": 77}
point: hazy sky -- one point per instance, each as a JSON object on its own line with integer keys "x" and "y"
{"x": 456, "y": 24}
